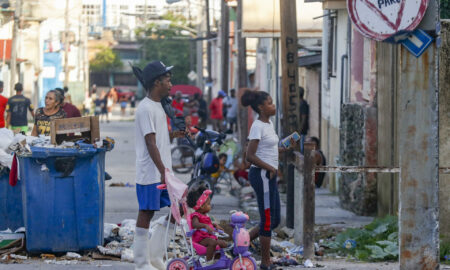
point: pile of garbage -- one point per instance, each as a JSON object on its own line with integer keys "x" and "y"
{"x": 6, "y": 138}
{"x": 119, "y": 240}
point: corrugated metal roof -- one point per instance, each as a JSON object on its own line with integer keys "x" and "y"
{"x": 310, "y": 60}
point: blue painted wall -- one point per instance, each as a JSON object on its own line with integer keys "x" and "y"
{"x": 51, "y": 59}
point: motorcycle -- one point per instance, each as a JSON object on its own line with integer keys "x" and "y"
{"x": 207, "y": 143}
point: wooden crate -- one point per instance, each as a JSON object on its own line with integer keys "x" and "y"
{"x": 74, "y": 129}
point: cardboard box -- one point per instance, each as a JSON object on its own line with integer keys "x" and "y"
{"x": 74, "y": 129}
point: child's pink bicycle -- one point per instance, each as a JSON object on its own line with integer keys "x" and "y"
{"x": 241, "y": 258}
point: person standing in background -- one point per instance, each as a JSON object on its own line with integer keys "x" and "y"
{"x": 178, "y": 104}
{"x": 232, "y": 105}
{"x": 3, "y": 103}
{"x": 216, "y": 109}
{"x": 17, "y": 109}
{"x": 103, "y": 101}
{"x": 132, "y": 104}
{"x": 202, "y": 110}
{"x": 304, "y": 118}
{"x": 67, "y": 96}
{"x": 69, "y": 108}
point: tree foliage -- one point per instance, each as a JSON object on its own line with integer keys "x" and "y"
{"x": 445, "y": 9}
{"x": 106, "y": 60}
{"x": 168, "y": 42}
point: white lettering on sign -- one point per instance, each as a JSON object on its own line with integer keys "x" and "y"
{"x": 416, "y": 41}
{"x": 381, "y": 19}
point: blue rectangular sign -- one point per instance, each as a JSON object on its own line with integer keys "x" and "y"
{"x": 417, "y": 42}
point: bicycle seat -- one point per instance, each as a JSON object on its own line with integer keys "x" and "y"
{"x": 201, "y": 250}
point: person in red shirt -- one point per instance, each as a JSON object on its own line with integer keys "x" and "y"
{"x": 178, "y": 104}
{"x": 3, "y": 103}
{"x": 216, "y": 109}
{"x": 70, "y": 109}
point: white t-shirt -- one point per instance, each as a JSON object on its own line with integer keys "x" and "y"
{"x": 151, "y": 118}
{"x": 232, "y": 111}
{"x": 267, "y": 149}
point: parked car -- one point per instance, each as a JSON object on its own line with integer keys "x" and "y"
{"x": 122, "y": 93}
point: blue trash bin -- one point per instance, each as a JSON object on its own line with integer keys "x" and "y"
{"x": 63, "y": 198}
{"x": 10, "y": 203}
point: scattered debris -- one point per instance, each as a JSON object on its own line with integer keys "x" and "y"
{"x": 20, "y": 257}
{"x": 127, "y": 255}
{"x": 48, "y": 256}
{"x": 117, "y": 185}
{"x": 73, "y": 255}
{"x": 127, "y": 184}
{"x": 308, "y": 263}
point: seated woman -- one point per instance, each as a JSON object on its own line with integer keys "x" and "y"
{"x": 44, "y": 116}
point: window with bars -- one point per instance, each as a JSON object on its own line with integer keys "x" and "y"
{"x": 150, "y": 9}
{"x": 92, "y": 13}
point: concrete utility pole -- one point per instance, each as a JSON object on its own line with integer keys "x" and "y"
{"x": 66, "y": 45}
{"x": 145, "y": 12}
{"x": 242, "y": 76}
{"x": 225, "y": 14}
{"x": 199, "y": 55}
{"x": 289, "y": 86}
{"x": 15, "y": 38}
{"x": 208, "y": 53}
{"x": 419, "y": 155}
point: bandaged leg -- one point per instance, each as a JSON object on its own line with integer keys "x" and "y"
{"x": 140, "y": 250}
{"x": 158, "y": 242}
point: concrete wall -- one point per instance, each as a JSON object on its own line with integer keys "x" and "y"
{"x": 444, "y": 129}
{"x": 330, "y": 147}
{"x": 331, "y": 91}
{"x": 358, "y": 130}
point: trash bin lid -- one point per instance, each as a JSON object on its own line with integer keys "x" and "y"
{"x": 45, "y": 152}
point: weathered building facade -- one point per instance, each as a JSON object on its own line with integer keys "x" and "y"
{"x": 361, "y": 84}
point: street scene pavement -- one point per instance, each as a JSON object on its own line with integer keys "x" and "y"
{"x": 327, "y": 118}
{"x": 121, "y": 204}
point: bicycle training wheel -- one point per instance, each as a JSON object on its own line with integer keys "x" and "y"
{"x": 183, "y": 158}
{"x": 248, "y": 263}
{"x": 177, "y": 264}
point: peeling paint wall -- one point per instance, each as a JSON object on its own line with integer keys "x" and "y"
{"x": 357, "y": 191}
{"x": 386, "y": 101}
{"x": 444, "y": 129}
